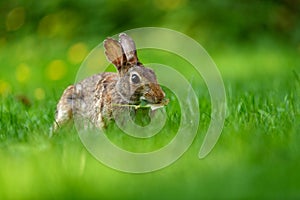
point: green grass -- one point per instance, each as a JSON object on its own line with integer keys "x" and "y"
{"x": 257, "y": 155}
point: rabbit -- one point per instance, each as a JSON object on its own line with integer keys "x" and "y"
{"x": 96, "y": 98}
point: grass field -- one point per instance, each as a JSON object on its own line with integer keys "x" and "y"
{"x": 257, "y": 155}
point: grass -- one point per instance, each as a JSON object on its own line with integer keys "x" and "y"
{"x": 257, "y": 155}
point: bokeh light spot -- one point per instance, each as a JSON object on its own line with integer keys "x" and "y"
{"x": 5, "y": 88}
{"x": 15, "y": 19}
{"x": 49, "y": 25}
{"x": 22, "y": 73}
{"x": 39, "y": 94}
{"x": 59, "y": 24}
{"x": 77, "y": 52}
{"x": 94, "y": 62}
{"x": 56, "y": 70}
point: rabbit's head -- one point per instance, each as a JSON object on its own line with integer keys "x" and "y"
{"x": 136, "y": 82}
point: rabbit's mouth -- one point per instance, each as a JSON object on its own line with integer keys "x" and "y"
{"x": 143, "y": 100}
{"x": 150, "y": 101}
{"x": 149, "y": 95}
{"x": 153, "y": 94}
{"x": 153, "y": 105}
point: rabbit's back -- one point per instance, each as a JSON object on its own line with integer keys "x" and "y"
{"x": 94, "y": 97}
{"x": 88, "y": 99}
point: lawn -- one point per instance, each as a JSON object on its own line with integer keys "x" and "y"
{"x": 257, "y": 155}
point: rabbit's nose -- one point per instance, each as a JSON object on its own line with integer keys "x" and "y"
{"x": 155, "y": 93}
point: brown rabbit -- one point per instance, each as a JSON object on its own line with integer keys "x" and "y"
{"x": 96, "y": 98}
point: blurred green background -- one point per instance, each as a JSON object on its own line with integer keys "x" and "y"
{"x": 256, "y": 46}
{"x": 45, "y": 42}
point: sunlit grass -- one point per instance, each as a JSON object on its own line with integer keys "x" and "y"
{"x": 256, "y": 156}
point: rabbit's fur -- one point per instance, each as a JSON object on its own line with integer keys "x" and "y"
{"x": 99, "y": 97}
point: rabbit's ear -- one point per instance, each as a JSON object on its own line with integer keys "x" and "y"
{"x": 114, "y": 52}
{"x": 129, "y": 49}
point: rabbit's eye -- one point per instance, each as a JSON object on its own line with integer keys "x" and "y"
{"x": 135, "y": 78}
